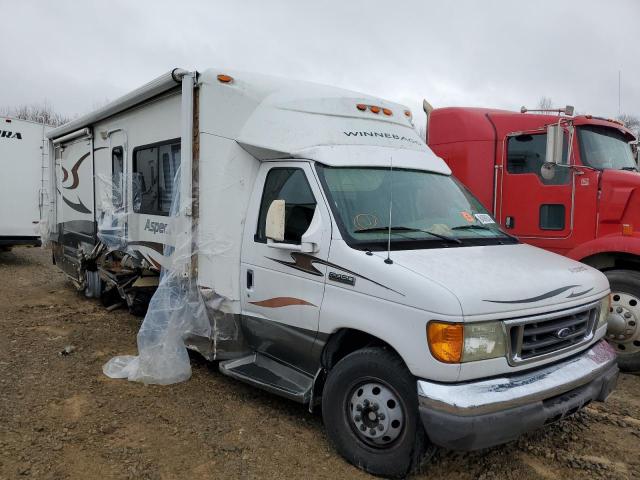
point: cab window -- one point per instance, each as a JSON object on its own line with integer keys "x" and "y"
{"x": 527, "y": 153}
{"x": 290, "y": 185}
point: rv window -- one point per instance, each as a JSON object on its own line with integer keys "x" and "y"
{"x": 527, "y": 154}
{"x": 117, "y": 169}
{"x": 290, "y": 185}
{"x": 156, "y": 166}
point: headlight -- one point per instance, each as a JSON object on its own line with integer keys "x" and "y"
{"x": 605, "y": 308}
{"x": 458, "y": 342}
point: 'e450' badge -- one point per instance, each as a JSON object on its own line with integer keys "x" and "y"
{"x": 155, "y": 227}
{"x": 342, "y": 278}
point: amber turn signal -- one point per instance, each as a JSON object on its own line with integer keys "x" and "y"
{"x": 627, "y": 229}
{"x": 225, "y": 78}
{"x": 387, "y": 112}
{"x": 361, "y": 106}
{"x": 374, "y": 109}
{"x": 446, "y": 341}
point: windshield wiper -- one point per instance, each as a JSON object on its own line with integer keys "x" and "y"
{"x": 630, "y": 169}
{"x": 408, "y": 229}
{"x": 473, "y": 226}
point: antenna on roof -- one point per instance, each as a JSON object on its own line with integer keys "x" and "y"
{"x": 388, "y": 259}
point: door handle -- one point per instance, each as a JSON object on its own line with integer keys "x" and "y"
{"x": 249, "y": 279}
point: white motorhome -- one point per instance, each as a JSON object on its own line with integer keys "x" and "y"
{"x": 355, "y": 272}
{"x": 22, "y": 191}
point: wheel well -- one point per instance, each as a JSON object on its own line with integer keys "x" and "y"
{"x": 613, "y": 260}
{"x": 339, "y": 345}
{"x": 346, "y": 341}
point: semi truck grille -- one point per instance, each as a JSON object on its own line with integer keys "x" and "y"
{"x": 533, "y": 338}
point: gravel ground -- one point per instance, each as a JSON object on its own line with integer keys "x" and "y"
{"x": 60, "y": 417}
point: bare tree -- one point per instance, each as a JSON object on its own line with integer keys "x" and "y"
{"x": 545, "y": 103}
{"x": 36, "y": 112}
{"x": 632, "y": 122}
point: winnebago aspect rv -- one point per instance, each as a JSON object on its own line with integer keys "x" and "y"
{"x": 340, "y": 264}
{"x": 22, "y": 159}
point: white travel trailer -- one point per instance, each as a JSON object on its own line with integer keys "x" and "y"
{"x": 23, "y": 163}
{"x": 339, "y": 263}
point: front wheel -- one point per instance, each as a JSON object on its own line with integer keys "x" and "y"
{"x": 623, "y": 331}
{"x": 370, "y": 412}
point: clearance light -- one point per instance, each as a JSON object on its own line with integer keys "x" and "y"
{"x": 225, "y": 78}
{"x": 387, "y": 112}
{"x": 361, "y": 106}
{"x": 446, "y": 341}
{"x": 374, "y": 109}
{"x": 407, "y": 113}
{"x": 627, "y": 229}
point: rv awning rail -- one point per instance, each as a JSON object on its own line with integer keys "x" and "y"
{"x": 155, "y": 87}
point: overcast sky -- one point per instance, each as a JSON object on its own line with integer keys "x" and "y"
{"x": 505, "y": 54}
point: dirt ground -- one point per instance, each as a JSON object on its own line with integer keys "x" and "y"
{"x": 60, "y": 417}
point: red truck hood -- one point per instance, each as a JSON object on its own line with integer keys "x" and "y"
{"x": 620, "y": 198}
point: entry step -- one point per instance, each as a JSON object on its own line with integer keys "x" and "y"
{"x": 269, "y": 374}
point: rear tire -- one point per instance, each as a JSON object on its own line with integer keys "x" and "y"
{"x": 370, "y": 412}
{"x": 625, "y": 337}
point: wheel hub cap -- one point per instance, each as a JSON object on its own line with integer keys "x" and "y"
{"x": 376, "y": 413}
{"x": 622, "y": 325}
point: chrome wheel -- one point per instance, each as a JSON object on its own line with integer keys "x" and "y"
{"x": 623, "y": 331}
{"x": 376, "y": 414}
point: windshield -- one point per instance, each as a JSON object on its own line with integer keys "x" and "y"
{"x": 429, "y": 210}
{"x": 603, "y": 147}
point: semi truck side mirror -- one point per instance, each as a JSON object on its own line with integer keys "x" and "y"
{"x": 274, "y": 227}
{"x": 555, "y": 144}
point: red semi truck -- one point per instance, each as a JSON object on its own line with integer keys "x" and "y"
{"x": 568, "y": 184}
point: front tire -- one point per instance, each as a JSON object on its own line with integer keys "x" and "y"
{"x": 370, "y": 412}
{"x": 623, "y": 332}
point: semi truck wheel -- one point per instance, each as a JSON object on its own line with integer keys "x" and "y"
{"x": 370, "y": 412}
{"x": 623, "y": 331}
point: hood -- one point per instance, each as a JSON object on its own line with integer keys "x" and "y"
{"x": 620, "y": 197}
{"x": 506, "y": 280}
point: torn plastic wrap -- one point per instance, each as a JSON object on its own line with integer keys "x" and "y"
{"x": 178, "y": 310}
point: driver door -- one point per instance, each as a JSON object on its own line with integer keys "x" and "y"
{"x": 532, "y": 206}
{"x": 283, "y": 287}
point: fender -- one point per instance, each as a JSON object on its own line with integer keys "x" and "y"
{"x": 608, "y": 244}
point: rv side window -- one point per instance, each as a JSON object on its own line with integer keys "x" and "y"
{"x": 527, "y": 153}
{"x": 290, "y": 185}
{"x": 155, "y": 167}
{"x": 117, "y": 169}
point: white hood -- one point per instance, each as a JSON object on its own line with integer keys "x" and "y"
{"x": 515, "y": 279}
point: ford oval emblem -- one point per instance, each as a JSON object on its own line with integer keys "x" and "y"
{"x": 563, "y": 333}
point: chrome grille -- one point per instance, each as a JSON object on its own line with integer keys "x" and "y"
{"x": 542, "y": 336}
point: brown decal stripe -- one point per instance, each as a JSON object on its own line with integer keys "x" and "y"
{"x": 65, "y": 175}
{"x": 278, "y": 302}
{"x": 304, "y": 262}
{"x": 157, "y": 246}
{"x": 74, "y": 172}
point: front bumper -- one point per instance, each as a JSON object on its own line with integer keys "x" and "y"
{"x": 473, "y": 415}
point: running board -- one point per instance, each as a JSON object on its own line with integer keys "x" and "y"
{"x": 269, "y": 374}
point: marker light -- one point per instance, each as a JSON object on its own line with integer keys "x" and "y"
{"x": 361, "y": 106}
{"x": 225, "y": 78}
{"x": 387, "y": 112}
{"x": 374, "y": 109}
{"x": 407, "y": 113}
{"x": 445, "y": 341}
{"x": 627, "y": 229}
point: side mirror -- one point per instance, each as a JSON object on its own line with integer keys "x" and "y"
{"x": 555, "y": 144}
{"x": 548, "y": 170}
{"x": 274, "y": 227}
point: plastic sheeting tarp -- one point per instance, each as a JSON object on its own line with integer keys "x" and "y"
{"x": 177, "y": 309}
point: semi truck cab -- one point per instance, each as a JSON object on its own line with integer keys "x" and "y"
{"x": 583, "y": 204}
